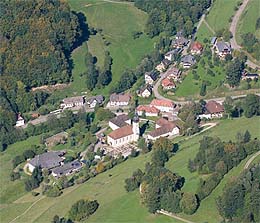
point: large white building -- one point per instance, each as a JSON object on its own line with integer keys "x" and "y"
{"x": 163, "y": 105}
{"x": 126, "y": 134}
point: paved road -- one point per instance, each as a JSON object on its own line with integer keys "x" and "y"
{"x": 233, "y": 28}
{"x": 251, "y": 160}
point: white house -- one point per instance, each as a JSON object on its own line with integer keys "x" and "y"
{"x": 125, "y": 134}
{"x": 212, "y": 110}
{"x": 96, "y": 100}
{"x": 119, "y": 99}
{"x": 119, "y": 121}
{"x": 145, "y": 92}
{"x": 150, "y": 77}
{"x": 20, "y": 121}
{"x": 147, "y": 110}
{"x": 163, "y": 128}
{"x": 163, "y": 65}
{"x": 72, "y": 102}
{"x": 163, "y": 105}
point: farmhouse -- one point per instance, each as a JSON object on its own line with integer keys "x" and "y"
{"x": 119, "y": 121}
{"x": 187, "y": 61}
{"x": 222, "y": 49}
{"x": 145, "y": 91}
{"x": 119, "y": 99}
{"x": 72, "y": 102}
{"x": 125, "y": 134}
{"x": 168, "y": 84}
{"x": 96, "y": 100}
{"x": 196, "y": 48}
{"x": 163, "y": 128}
{"x": 66, "y": 169}
{"x": 147, "y": 110}
{"x": 20, "y": 121}
{"x": 173, "y": 73}
{"x": 163, "y": 105}
{"x": 46, "y": 160}
{"x": 163, "y": 65}
{"x": 212, "y": 110}
{"x": 59, "y": 138}
{"x": 150, "y": 77}
{"x": 179, "y": 42}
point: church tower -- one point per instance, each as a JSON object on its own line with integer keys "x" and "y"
{"x": 135, "y": 126}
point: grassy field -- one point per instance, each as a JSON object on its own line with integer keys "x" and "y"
{"x": 248, "y": 19}
{"x": 115, "y": 203}
{"x": 117, "y": 21}
{"x": 220, "y": 13}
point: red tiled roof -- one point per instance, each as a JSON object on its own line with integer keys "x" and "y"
{"x": 214, "y": 107}
{"x": 196, "y": 46}
{"x": 162, "y": 121}
{"x": 147, "y": 108}
{"x": 121, "y": 132}
{"x": 167, "y": 82}
{"x": 161, "y": 102}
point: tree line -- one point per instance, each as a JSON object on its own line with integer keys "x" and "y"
{"x": 172, "y": 16}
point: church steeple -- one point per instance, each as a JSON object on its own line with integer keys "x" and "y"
{"x": 135, "y": 126}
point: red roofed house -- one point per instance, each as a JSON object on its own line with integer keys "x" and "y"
{"x": 163, "y": 128}
{"x": 196, "y": 48}
{"x": 147, "y": 110}
{"x": 213, "y": 110}
{"x": 163, "y": 105}
{"x": 168, "y": 84}
{"x": 126, "y": 134}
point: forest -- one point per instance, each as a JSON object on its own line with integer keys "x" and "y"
{"x": 172, "y": 16}
{"x": 36, "y": 39}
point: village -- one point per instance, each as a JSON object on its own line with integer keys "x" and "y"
{"x": 122, "y": 133}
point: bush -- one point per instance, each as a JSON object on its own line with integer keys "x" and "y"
{"x": 189, "y": 203}
{"x": 15, "y": 176}
{"x": 53, "y": 191}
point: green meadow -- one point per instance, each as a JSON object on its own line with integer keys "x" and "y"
{"x": 108, "y": 187}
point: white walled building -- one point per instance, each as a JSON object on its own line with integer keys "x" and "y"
{"x": 20, "y": 121}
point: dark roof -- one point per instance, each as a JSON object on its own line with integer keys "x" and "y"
{"x": 120, "y": 120}
{"x": 77, "y": 99}
{"x": 67, "y": 168}
{"x": 162, "y": 130}
{"x": 166, "y": 62}
{"x": 120, "y": 97}
{"x": 188, "y": 59}
{"x": 152, "y": 74}
{"x": 223, "y": 46}
{"x": 146, "y": 87}
{"x": 98, "y": 98}
{"x": 47, "y": 160}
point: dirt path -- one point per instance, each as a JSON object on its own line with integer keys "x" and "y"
{"x": 251, "y": 160}
{"x": 233, "y": 28}
{"x": 209, "y": 27}
{"x": 174, "y": 216}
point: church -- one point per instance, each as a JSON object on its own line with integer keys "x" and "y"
{"x": 124, "y": 133}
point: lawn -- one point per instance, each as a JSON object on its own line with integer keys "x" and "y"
{"x": 203, "y": 33}
{"x": 117, "y": 21}
{"x": 220, "y": 13}
{"x": 116, "y": 204}
{"x": 248, "y": 19}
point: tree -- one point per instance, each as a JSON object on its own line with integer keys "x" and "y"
{"x": 203, "y": 89}
{"x": 247, "y": 136}
{"x": 104, "y": 114}
{"x": 189, "y": 203}
{"x": 234, "y": 72}
{"x": 91, "y": 73}
{"x": 82, "y": 209}
{"x": 159, "y": 157}
{"x": 170, "y": 201}
{"x": 251, "y": 105}
{"x": 165, "y": 145}
{"x": 228, "y": 106}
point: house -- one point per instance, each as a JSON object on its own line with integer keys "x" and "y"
{"x": 125, "y": 134}
{"x": 168, "y": 84}
{"x": 145, "y": 91}
{"x": 59, "y": 138}
{"x": 147, "y": 110}
{"x": 66, "y": 169}
{"x": 163, "y": 128}
{"x": 173, "y": 73}
{"x": 150, "y": 77}
{"x": 46, "y": 160}
{"x": 170, "y": 55}
{"x": 72, "y": 102}
{"x": 163, "y": 65}
{"x": 196, "y": 48}
{"x": 246, "y": 76}
{"x": 212, "y": 110}
{"x": 179, "y": 42}
{"x": 19, "y": 121}
{"x": 96, "y": 100}
{"x": 162, "y": 105}
{"x": 119, "y": 121}
{"x": 187, "y": 61}
{"x": 213, "y": 40}
{"x": 119, "y": 99}
{"x": 222, "y": 49}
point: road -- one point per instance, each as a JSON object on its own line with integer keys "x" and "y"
{"x": 233, "y": 28}
{"x": 174, "y": 216}
{"x": 251, "y": 160}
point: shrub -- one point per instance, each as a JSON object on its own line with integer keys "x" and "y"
{"x": 14, "y": 176}
{"x": 189, "y": 203}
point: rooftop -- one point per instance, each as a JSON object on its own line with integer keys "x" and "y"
{"x": 120, "y": 97}
{"x": 168, "y": 83}
{"x": 214, "y": 107}
{"x": 67, "y": 168}
{"x": 222, "y": 46}
{"x": 120, "y": 120}
{"x": 147, "y": 108}
{"x": 161, "y": 102}
{"x": 74, "y": 99}
{"x": 152, "y": 74}
{"x": 162, "y": 130}
{"x": 121, "y": 132}
{"x": 188, "y": 59}
{"x": 196, "y": 46}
